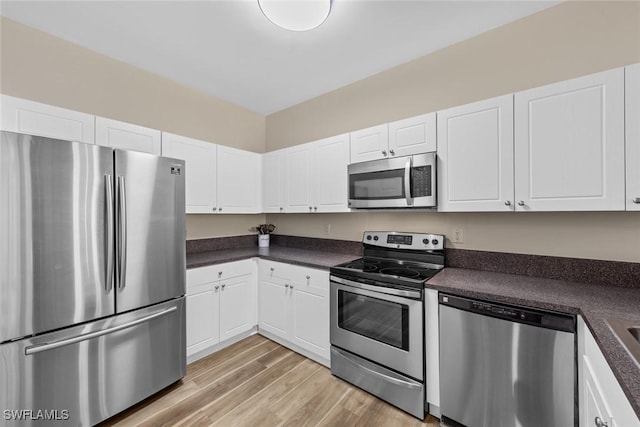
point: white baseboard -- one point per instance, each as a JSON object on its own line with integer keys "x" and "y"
{"x": 226, "y": 343}
{"x": 297, "y": 349}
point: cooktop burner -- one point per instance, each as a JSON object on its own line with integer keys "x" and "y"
{"x": 388, "y": 267}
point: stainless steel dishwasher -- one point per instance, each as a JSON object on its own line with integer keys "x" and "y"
{"x": 506, "y": 366}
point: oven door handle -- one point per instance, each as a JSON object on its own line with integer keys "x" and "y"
{"x": 380, "y": 289}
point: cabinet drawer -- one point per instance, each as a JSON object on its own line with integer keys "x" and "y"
{"x": 309, "y": 277}
{"x": 212, "y": 273}
{"x": 272, "y": 269}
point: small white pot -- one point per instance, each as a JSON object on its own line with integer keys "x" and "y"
{"x": 263, "y": 240}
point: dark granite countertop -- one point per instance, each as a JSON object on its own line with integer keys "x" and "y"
{"x": 290, "y": 255}
{"x": 593, "y": 302}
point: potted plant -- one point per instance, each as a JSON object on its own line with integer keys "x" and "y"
{"x": 264, "y": 230}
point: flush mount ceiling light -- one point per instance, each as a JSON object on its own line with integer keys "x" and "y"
{"x": 296, "y": 15}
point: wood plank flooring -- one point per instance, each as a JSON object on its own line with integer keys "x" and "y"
{"x": 257, "y": 383}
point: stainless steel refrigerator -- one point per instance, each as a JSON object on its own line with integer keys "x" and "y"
{"x": 92, "y": 279}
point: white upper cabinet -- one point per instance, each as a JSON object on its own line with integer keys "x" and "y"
{"x": 569, "y": 145}
{"x": 200, "y": 172}
{"x": 273, "y": 181}
{"x": 406, "y": 137}
{"x": 370, "y": 144}
{"x": 475, "y": 156}
{"x": 330, "y": 177}
{"x": 33, "y": 118}
{"x": 125, "y": 136}
{"x": 299, "y": 165}
{"x": 315, "y": 177}
{"x": 239, "y": 174}
{"x": 413, "y": 136}
{"x": 632, "y": 97}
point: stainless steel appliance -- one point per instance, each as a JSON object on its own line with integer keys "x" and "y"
{"x": 506, "y": 366}
{"x": 377, "y": 316}
{"x": 92, "y": 279}
{"x": 399, "y": 182}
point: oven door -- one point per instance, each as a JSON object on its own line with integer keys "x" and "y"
{"x": 386, "y": 329}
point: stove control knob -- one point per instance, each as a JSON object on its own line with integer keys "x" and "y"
{"x": 425, "y": 241}
{"x": 369, "y": 237}
{"x": 434, "y": 241}
{"x": 375, "y": 238}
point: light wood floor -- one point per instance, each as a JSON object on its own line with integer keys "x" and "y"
{"x": 257, "y": 383}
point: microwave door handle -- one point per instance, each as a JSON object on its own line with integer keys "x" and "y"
{"x": 407, "y": 180}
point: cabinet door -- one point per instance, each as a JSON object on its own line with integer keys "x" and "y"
{"x": 632, "y": 111}
{"x": 33, "y": 118}
{"x": 330, "y": 178}
{"x": 202, "y": 318}
{"x": 237, "y": 305}
{"x": 569, "y": 145}
{"x": 125, "y": 136}
{"x": 594, "y": 404}
{"x": 299, "y": 175}
{"x": 310, "y": 312}
{"x": 413, "y": 136}
{"x": 273, "y": 304}
{"x": 200, "y": 170}
{"x": 238, "y": 175}
{"x": 369, "y": 144}
{"x": 273, "y": 181}
{"x": 475, "y": 156}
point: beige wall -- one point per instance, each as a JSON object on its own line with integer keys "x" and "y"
{"x": 44, "y": 68}
{"x": 569, "y": 40}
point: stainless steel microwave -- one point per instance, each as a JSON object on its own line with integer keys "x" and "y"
{"x": 399, "y": 182}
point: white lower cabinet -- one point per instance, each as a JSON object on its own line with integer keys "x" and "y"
{"x": 221, "y": 303}
{"x": 294, "y": 306}
{"x": 602, "y": 401}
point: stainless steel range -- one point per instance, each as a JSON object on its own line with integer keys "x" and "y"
{"x": 377, "y": 316}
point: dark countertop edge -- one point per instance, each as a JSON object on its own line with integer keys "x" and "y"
{"x": 616, "y": 355}
{"x": 287, "y": 255}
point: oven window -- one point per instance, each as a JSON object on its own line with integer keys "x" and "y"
{"x": 388, "y": 184}
{"x": 380, "y": 320}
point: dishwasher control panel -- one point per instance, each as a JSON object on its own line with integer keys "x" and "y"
{"x": 529, "y": 316}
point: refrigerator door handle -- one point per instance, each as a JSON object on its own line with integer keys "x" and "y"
{"x": 110, "y": 233}
{"x": 122, "y": 232}
{"x": 57, "y": 344}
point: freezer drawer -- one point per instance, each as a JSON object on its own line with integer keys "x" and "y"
{"x": 90, "y": 372}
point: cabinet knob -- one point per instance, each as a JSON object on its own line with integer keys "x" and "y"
{"x": 308, "y": 277}
{"x": 310, "y": 208}
{"x": 272, "y": 269}
{"x": 520, "y": 203}
{"x": 214, "y": 209}
{"x": 223, "y": 285}
{"x": 507, "y": 203}
{"x": 281, "y": 209}
{"x": 636, "y": 200}
{"x": 219, "y": 209}
{"x": 216, "y": 287}
{"x": 393, "y": 153}
{"x": 286, "y": 285}
{"x": 384, "y": 152}
{"x": 315, "y": 208}
{"x": 219, "y": 273}
{"x": 291, "y": 286}
{"x": 600, "y": 423}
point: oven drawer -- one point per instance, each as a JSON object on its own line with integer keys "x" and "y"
{"x": 396, "y": 389}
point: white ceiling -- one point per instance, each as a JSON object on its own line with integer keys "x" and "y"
{"x": 228, "y": 49}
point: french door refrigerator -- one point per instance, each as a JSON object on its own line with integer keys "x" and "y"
{"x": 92, "y": 279}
